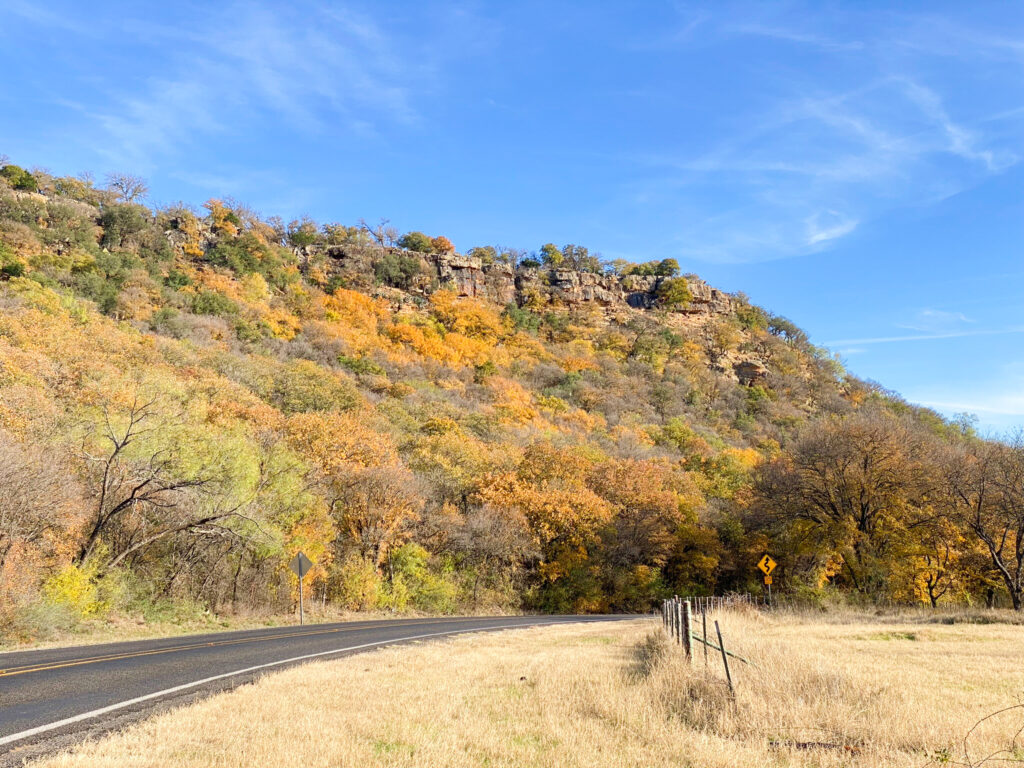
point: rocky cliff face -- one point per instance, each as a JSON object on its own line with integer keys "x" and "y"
{"x": 539, "y": 287}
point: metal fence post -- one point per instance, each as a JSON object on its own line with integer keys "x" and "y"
{"x": 725, "y": 660}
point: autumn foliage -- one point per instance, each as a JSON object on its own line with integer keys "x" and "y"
{"x": 187, "y": 398}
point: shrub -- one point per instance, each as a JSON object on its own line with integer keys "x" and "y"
{"x": 397, "y": 270}
{"x": 357, "y": 585}
{"x": 19, "y": 178}
{"x": 77, "y": 189}
{"x": 487, "y": 254}
{"x": 121, "y": 224}
{"x": 674, "y": 293}
{"x": 361, "y": 365}
{"x": 250, "y": 331}
{"x": 414, "y": 582}
{"x": 483, "y": 371}
{"x": 246, "y": 254}
{"x": 177, "y": 279}
{"x": 75, "y": 588}
{"x": 12, "y": 269}
{"x": 39, "y": 620}
{"x": 523, "y": 319}
{"x": 10, "y": 265}
{"x": 752, "y": 318}
{"x": 208, "y": 302}
{"x": 302, "y": 386}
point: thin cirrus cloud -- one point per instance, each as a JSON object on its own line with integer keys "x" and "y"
{"x": 924, "y": 337}
{"x": 828, "y": 225}
{"x": 936, "y": 320}
{"x": 798, "y": 36}
{"x": 814, "y": 166}
{"x": 228, "y": 72}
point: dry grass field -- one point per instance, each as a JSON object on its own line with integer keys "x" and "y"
{"x": 856, "y": 690}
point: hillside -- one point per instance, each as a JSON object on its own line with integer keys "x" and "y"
{"x": 189, "y": 396}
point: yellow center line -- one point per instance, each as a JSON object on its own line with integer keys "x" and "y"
{"x": 44, "y": 666}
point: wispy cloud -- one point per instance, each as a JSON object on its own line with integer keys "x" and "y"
{"x": 813, "y": 165}
{"x": 959, "y": 140}
{"x": 936, "y": 320}
{"x": 309, "y": 68}
{"x": 797, "y": 36}
{"x": 36, "y": 13}
{"x": 828, "y": 225}
{"x": 922, "y": 337}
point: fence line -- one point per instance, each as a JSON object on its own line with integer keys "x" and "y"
{"x": 677, "y": 619}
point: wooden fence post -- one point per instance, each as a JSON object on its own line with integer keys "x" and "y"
{"x": 704, "y": 621}
{"x": 675, "y": 617}
{"x": 688, "y": 631}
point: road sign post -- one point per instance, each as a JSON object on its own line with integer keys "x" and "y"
{"x": 301, "y": 564}
{"x": 767, "y": 565}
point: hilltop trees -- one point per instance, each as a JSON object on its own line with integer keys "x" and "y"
{"x": 417, "y": 241}
{"x": 576, "y": 257}
{"x": 663, "y": 268}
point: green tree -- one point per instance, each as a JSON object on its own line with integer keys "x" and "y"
{"x": 550, "y": 255}
{"x": 667, "y": 268}
{"x": 416, "y": 241}
{"x": 578, "y": 257}
{"x": 397, "y": 269}
{"x": 19, "y": 178}
{"x": 302, "y": 233}
{"x": 487, "y": 254}
{"x": 122, "y": 224}
{"x": 674, "y": 293}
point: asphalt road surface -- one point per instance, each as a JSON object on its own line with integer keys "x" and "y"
{"x": 54, "y": 697}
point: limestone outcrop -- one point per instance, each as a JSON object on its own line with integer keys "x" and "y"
{"x": 556, "y": 288}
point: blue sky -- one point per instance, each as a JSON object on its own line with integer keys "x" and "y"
{"x": 855, "y": 167}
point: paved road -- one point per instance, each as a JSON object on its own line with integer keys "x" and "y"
{"x": 53, "y": 697}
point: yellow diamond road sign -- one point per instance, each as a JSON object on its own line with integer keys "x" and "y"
{"x": 767, "y": 565}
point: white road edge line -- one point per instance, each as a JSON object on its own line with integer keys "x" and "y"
{"x": 149, "y": 696}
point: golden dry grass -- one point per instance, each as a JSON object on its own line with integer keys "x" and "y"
{"x": 862, "y": 693}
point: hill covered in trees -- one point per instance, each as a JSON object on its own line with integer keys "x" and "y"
{"x": 188, "y": 396}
